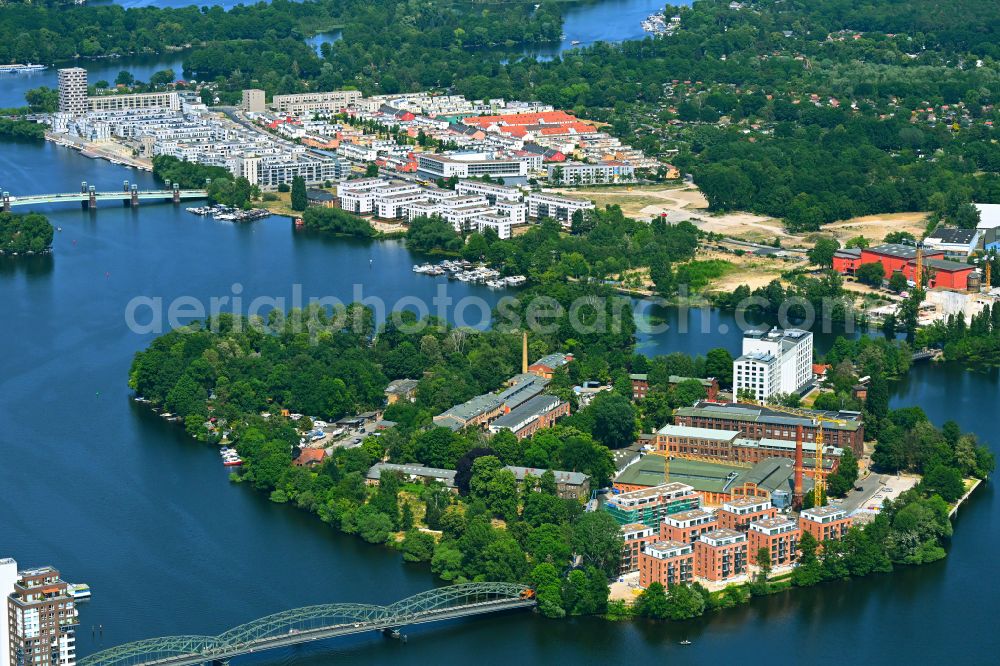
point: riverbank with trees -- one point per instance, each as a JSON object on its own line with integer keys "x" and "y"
{"x": 223, "y": 188}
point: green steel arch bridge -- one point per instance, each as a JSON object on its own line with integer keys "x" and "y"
{"x": 312, "y": 623}
{"x": 88, "y": 196}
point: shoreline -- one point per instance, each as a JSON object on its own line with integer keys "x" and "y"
{"x": 961, "y": 500}
{"x": 101, "y": 150}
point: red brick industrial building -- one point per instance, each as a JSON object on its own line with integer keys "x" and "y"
{"x": 938, "y": 271}
{"x": 759, "y": 422}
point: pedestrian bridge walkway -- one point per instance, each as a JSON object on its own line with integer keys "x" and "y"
{"x": 312, "y": 623}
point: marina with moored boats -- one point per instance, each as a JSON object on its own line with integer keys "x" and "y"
{"x": 466, "y": 271}
{"x": 230, "y": 214}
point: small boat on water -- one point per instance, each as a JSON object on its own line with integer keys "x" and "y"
{"x": 79, "y": 591}
{"x": 685, "y": 642}
{"x": 575, "y": 42}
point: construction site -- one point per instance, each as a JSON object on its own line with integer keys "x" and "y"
{"x": 694, "y": 508}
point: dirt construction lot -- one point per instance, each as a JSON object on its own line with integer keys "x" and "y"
{"x": 643, "y": 201}
{"x": 649, "y": 201}
{"x": 875, "y": 227}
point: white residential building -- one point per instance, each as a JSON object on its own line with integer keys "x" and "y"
{"x": 499, "y": 223}
{"x": 557, "y": 207}
{"x": 393, "y": 206}
{"x": 517, "y": 211}
{"x": 73, "y": 90}
{"x": 579, "y": 173}
{"x": 320, "y": 101}
{"x": 491, "y": 191}
{"x": 469, "y": 165}
{"x": 423, "y": 209}
{"x": 314, "y": 170}
{"x": 357, "y": 152}
{"x": 358, "y": 196}
{"x": 775, "y": 361}
{"x": 156, "y": 100}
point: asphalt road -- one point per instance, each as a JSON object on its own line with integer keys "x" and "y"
{"x": 856, "y": 498}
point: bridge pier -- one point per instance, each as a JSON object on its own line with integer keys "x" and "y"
{"x": 92, "y": 198}
{"x": 125, "y": 188}
{"x": 135, "y": 196}
{"x": 177, "y": 193}
{"x": 83, "y": 190}
{"x": 6, "y": 202}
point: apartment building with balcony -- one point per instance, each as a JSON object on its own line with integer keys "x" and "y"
{"x": 825, "y": 523}
{"x": 779, "y": 536}
{"x": 635, "y": 537}
{"x": 720, "y": 555}
{"x": 739, "y": 512}
{"x": 688, "y": 526}
{"x": 39, "y": 617}
{"x": 650, "y": 506}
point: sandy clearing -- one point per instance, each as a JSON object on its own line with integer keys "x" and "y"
{"x": 875, "y": 227}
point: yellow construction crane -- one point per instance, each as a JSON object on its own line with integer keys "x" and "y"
{"x": 818, "y": 419}
{"x": 918, "y": 272}
{"x": 666, "y": 463}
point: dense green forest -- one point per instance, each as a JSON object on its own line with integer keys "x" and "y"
{"x": 336, "y": 221}
{"x": 326, "y": 364}
{"x": 21, "y": 129}
{"x": 604, "y": 245}
{"x": 24, "y": 233}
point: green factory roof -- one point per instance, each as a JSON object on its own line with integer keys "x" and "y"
{"x": 703, "y": 476}
{"x": 769, "y": 474}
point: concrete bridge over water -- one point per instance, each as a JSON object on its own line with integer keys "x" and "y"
{"x": 88, "y": 197}
{"x": 312, "y": 623}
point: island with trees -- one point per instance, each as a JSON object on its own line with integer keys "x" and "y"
{"x": 25, "y": 234}
{"x": 232, "y": 382}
